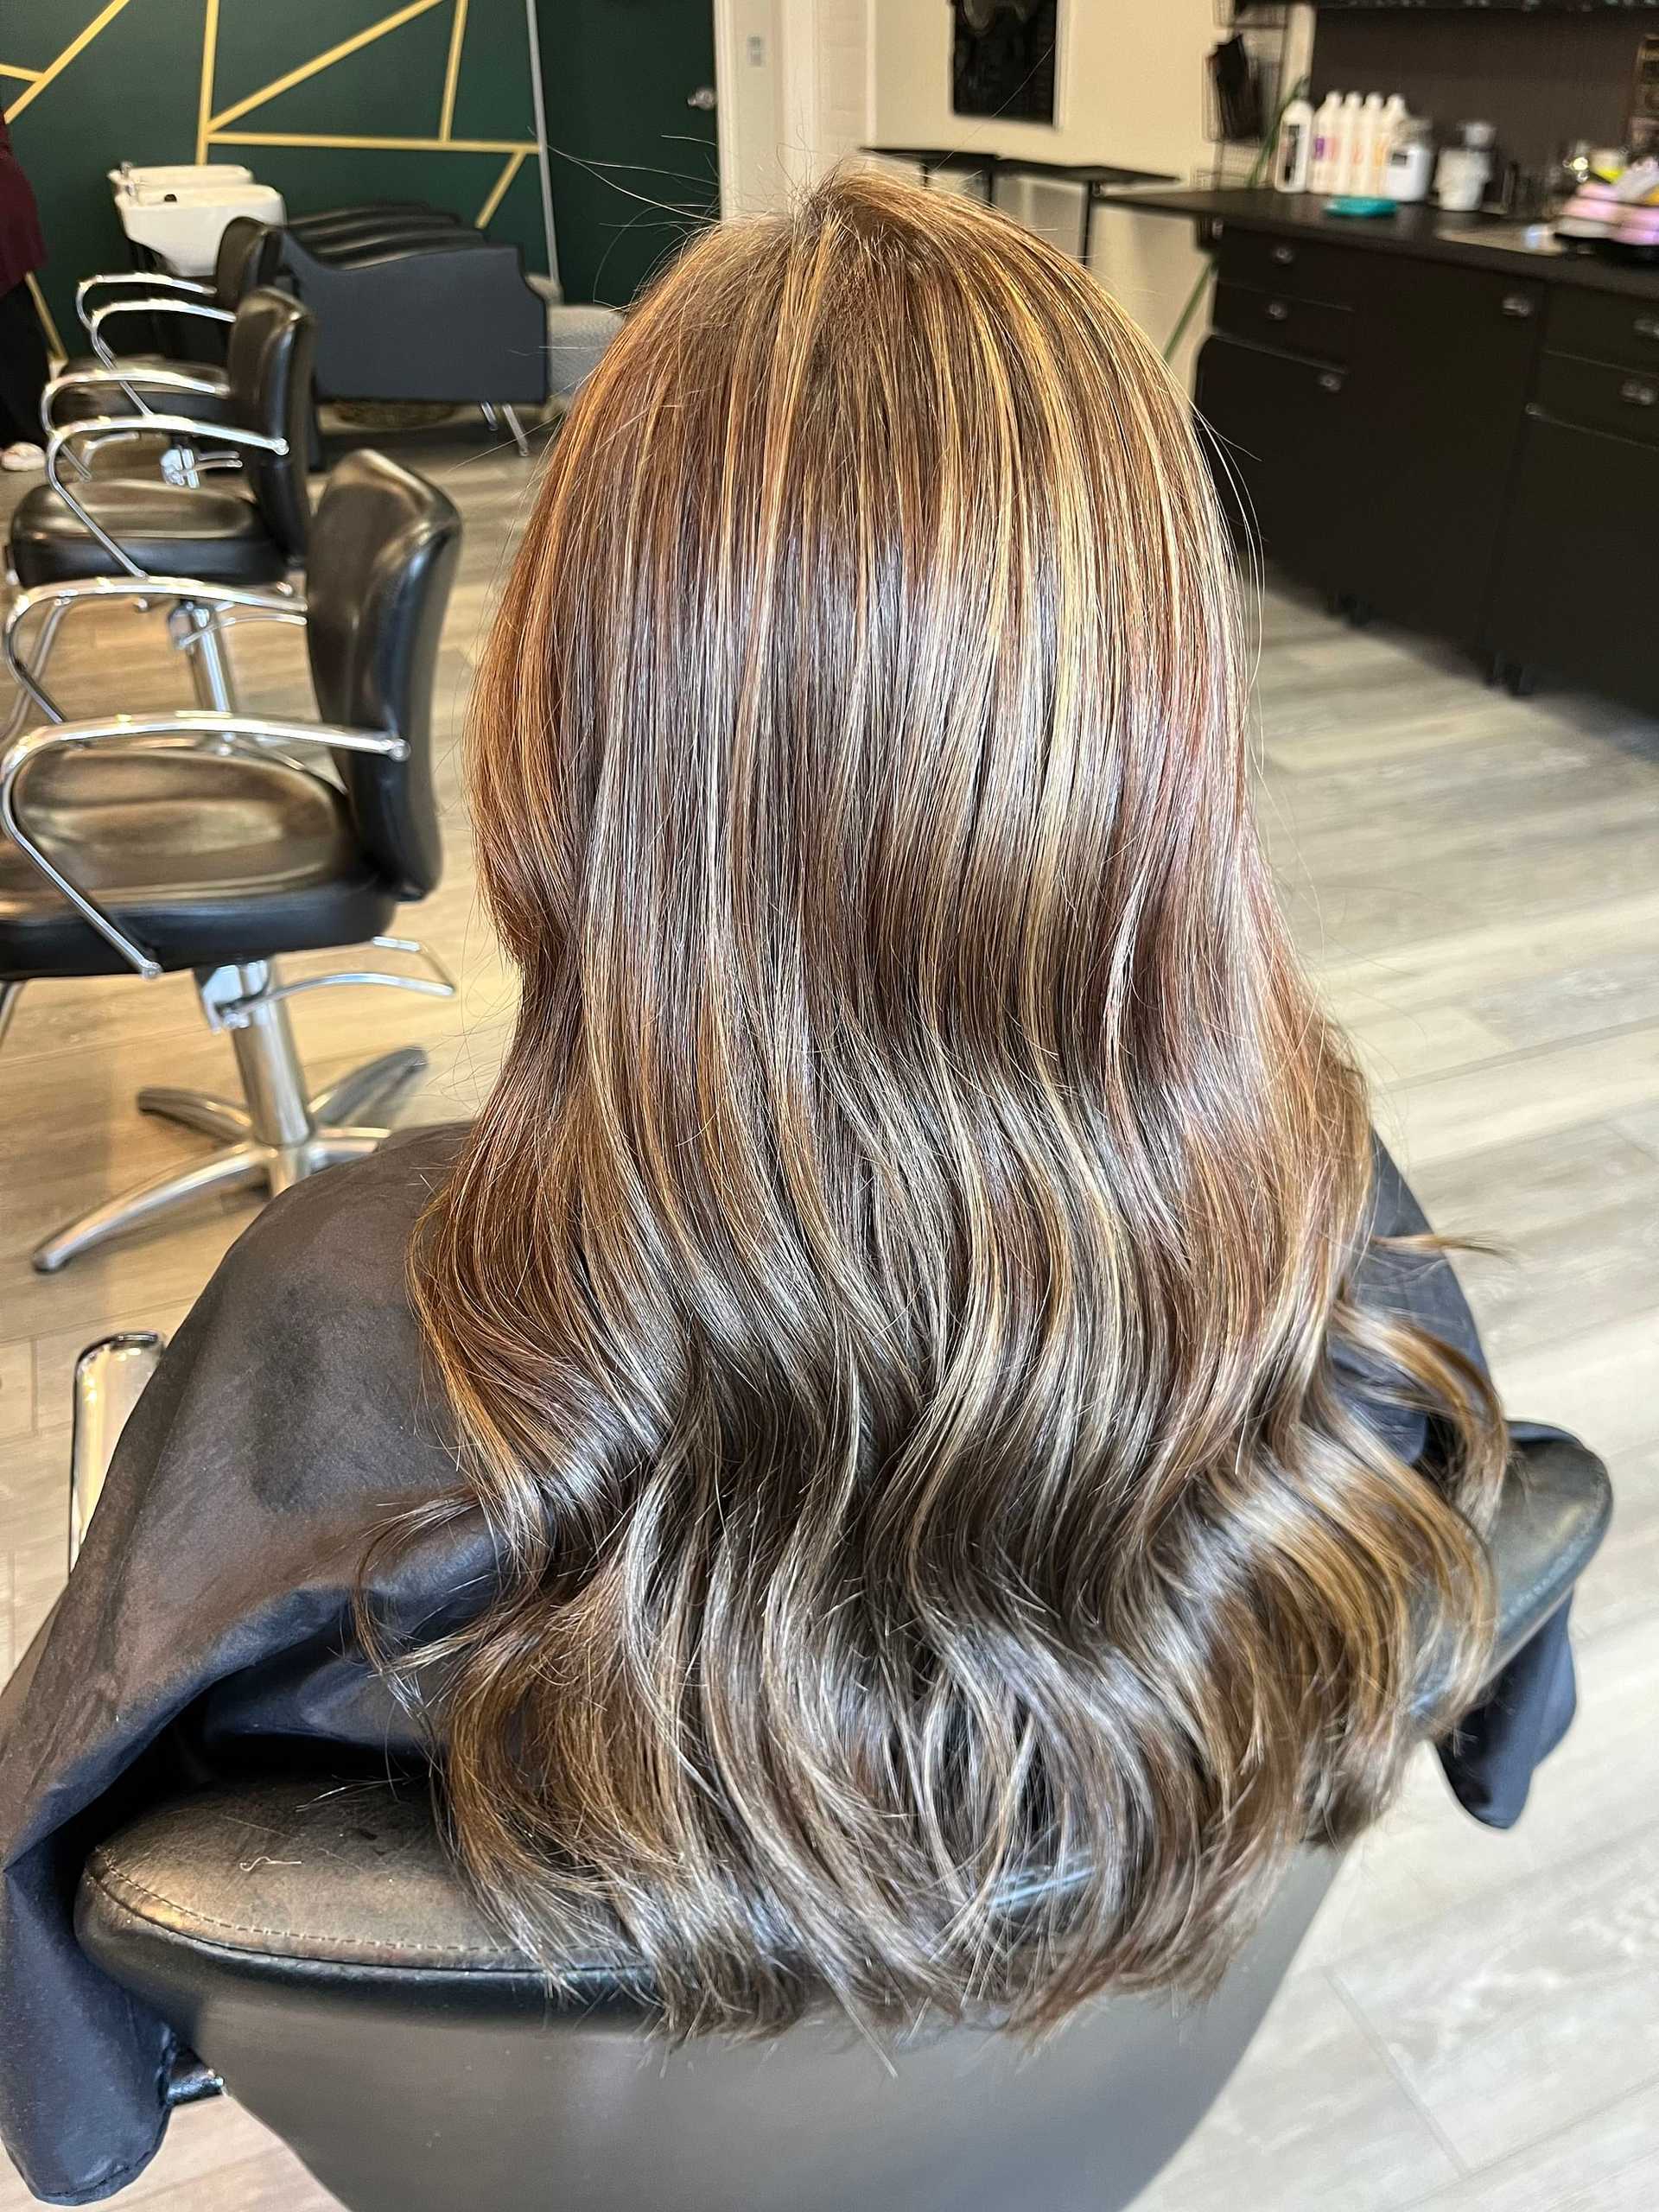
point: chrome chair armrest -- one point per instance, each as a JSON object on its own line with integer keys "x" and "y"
{"x": 92, "y": 379}
{"x": 148, "y": 305}
{"x": 142, "y": 591}
{"x": 188, "y": 726}
{"x": 110, "y": 1379}
{"x": 112, "y": 429}
{"x": 128, "y": 279}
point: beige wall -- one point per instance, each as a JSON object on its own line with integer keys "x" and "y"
{"x": 1130, "y": 85}
{"x": 836, "y": 72}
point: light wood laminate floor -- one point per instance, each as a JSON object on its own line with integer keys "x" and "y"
{"x": 1474, "y": 2024}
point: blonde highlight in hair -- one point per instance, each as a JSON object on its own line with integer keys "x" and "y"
{"x": 889, "y": 1300}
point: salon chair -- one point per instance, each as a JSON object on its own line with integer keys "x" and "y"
{"x": 439, "y": 316}
{"x": 155, "y": 843}
{"x": 107, "y": 382}
{"x": 314, "y": 1951}
{"x": 208, "y": 553}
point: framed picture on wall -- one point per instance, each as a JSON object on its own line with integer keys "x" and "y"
{"x": 1002, "y": 59}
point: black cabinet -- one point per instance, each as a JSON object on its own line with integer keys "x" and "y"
{"x": 1576, "y": 591}
{"x": 1272, "y": 393}
{"x": 1442, "y": 363}
{"x": 1273, "y": 429}
{"x": 1466, "y": 449}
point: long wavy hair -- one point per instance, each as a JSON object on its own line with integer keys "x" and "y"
{"x": 888, "y": 1303}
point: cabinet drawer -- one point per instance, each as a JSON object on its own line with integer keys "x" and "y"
{"x": 1559, "y": 602}
{"x": 1291, "y": 268}
{"x": 1604, "y": 327}
{"x": 1598, "y": 396}
{"x": 1307, "y": 327}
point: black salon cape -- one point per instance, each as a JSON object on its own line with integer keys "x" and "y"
{"x": 207, "y": 1624}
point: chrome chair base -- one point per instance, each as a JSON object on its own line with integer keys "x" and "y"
{"x": 278, "y": 1137}
{"x": 496, "y": 413}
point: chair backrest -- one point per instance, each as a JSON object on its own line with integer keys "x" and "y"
{"x": 439, "y": 314}
{"x": 384, "y": 548}
{"x": 250, "y": 252}
{"x": 269, "y": 361}
{"x": 352, "y": 1998}
{"x": 374, "y": 216}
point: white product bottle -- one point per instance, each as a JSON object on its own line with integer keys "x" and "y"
{"x": 1293, "y": 152}
{"x": 1322, "y": 167}
{"x": 1368, "y": 145}
{"x": 1347, "y": 138}
{"x": 1394, "y": 121}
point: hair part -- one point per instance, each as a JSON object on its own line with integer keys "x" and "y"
{"x": 888, "y": 1302}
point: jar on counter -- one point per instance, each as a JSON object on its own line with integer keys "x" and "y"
{"x": 1411, "y": 161}
{"x": 1460, "y": 178}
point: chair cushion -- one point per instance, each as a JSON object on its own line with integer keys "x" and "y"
{"x": 170, "y": 530}
{"x": 298, "y": 1872}
{"x": 202, "y": 857}
{"x": 82, "y": 403}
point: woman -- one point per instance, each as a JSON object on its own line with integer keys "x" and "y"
{"x": 904, "y": 1392}
{"x": 22, "y": 346}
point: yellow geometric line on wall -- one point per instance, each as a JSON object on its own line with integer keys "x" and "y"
{"x": 205, "y": 87}
{"x": 499, "y": 190}
{"x": 212, "y": 130}
{"x": 54, "y": 344}
{"x": 452, "y": 70}
{"x": 321, "y": 61}
{"x": 374, "y": 145}
{"x": 28, "y": 76}
{"x": 41, "y": 78}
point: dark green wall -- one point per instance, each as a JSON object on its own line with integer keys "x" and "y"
{"x": 633, "y": 169}
{"x": 132, "y": 93}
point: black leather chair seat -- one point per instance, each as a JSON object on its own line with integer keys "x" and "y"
{"x": 82, "y": 401}
{"x": 204, "y": 858}
{"x": 312, "y": 1943}
{"x": 170, "y": 530}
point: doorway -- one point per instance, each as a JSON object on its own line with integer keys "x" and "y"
{"x": 632, "y": 150}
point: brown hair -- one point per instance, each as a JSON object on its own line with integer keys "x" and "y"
{"x": 889, "y": 1302}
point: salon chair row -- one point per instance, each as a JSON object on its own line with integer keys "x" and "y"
{"x": 261, "y": 836}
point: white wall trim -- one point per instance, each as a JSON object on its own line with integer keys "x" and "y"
{"x": 726, "y": 68}
{"x": 780, "y": 131}
{"x": 797, "y": 31}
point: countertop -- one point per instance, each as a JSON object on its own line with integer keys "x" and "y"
{"x": 1425, "y": 233}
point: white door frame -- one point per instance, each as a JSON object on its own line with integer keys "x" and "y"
{"x": 535, "y": 37}
{"x": 727, "y": 64}
{"x": 753, "y": 176}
